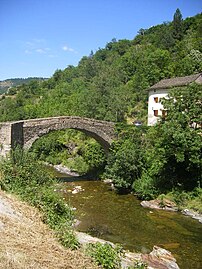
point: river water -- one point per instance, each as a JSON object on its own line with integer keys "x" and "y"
{"x": 121, "y": 219}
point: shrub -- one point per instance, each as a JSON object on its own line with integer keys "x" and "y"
{"x": 144, "y": 187}
{"x": 105, "y": 255}
{"x": 125, "y": 161}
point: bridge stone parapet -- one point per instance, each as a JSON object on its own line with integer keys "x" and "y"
{"x": 5, "y": 138}
{"x": 27, "y": 131}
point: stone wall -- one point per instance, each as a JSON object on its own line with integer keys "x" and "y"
{"x": 5, "y": 138}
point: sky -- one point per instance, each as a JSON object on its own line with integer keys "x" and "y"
{"x": 37, "y": 37}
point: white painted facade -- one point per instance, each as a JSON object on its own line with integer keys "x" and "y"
{"x": 155, "y": 108}
{"x": 161, "y": 89}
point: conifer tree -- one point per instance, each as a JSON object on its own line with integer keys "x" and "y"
{"x": 177, "y": 25}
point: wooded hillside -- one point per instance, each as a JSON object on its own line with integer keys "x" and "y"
{"x": 111, "y": 84}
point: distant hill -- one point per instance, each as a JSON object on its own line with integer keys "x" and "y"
{"x": 13, "y": 82}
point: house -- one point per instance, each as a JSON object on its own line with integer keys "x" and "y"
{"x": 161, "y": 90}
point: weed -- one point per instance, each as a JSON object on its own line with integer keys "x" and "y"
{"x": 105, "y": 255}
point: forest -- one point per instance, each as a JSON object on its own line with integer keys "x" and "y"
{"x": 112, "y": 84}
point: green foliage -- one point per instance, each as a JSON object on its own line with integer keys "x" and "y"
{"x": 105, "y": 255}
{"x": 71, "y": 148}
{"x": 94, "y": 155}
{"x": 66, "y": 236}
{"x": 173, "y": 147}
{"x": 112, "y": 82}
{"x": 125, "y": 160}
{"x": 145, "y": 187}
{"x": 191, "y": 200}
{"x": 165, "y": 156}
{"x": 23, "y": 175}
{"x": 49, "y": 148}
{"x": 77, "y": 164}
{"x": 177, "y": 25}
{"x": 184, "y": 106}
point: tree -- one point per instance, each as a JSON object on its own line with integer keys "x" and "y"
{"x": 184, "y": 106}
{"x": 125, "y": 161}
{"x": 177, "y": 25}
{"x": 174, "y": 152}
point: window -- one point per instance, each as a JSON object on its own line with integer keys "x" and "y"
{"x": 156, "y": 99}
{"x": 164, "y": 113}
{"x": 156, "y": 113}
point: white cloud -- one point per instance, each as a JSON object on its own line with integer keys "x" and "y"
{"x": 66, "y": 48}
{"x": 36, "y": 46}
{"x": 41, "y": 51}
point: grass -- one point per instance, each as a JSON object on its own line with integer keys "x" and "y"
{"x": 21, "y": 174}
{"x": 26, "y": 242}
{"x": 190, "y": 200}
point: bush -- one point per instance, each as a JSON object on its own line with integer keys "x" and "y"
{"x": 105, "y": 255}
{"x": 191, "y": 200}
{"x": 125, "y": 161}
{"x": 144, "y": 187}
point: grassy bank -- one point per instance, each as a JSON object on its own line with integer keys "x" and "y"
{"x": 26, "y": 242}
{"x": 186, "y": 200}
{"x": 21, "y": 174}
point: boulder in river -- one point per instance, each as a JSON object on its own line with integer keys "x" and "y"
{"x": 164, "y": 204}
{"x": 159, "y": 258}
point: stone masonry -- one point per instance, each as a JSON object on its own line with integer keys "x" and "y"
{"x": 25, "y": 132}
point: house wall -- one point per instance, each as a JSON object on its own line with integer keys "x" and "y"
{"x": 155, "y": 106}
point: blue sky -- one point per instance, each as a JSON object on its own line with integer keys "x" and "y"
{"x": 39, "y": 36}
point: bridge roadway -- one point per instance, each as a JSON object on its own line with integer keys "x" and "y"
{"x": 25, "y": 132}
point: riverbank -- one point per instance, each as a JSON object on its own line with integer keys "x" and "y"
{"x": 158, "y": 258}
{"x": 63, "y": 169}
{"x": 168, "y": 205}
{"x": 160, "y": 204}
{"x": 26, "y": 242}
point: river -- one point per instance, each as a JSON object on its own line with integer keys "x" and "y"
{"x": 121, "y": 219}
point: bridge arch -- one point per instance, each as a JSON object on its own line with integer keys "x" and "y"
{"x": 27, "y": 132}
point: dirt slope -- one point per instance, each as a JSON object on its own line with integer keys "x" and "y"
{"x": 25, "y": 242}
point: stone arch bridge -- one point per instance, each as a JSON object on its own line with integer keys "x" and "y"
{"x": 25, "y": 132}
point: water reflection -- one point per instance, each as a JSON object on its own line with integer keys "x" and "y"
{"x": 121, "y": 219}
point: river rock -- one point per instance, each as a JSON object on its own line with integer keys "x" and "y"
{"x": 62, "y": 169}
{"x": 77, "y": 189}
{"x": 164, "y": 204}
{"x": 192, "y": 214}
{"x": 85, "y": 239}
{"x": 159, "y": 258}
{"x": 107, "y": 181}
